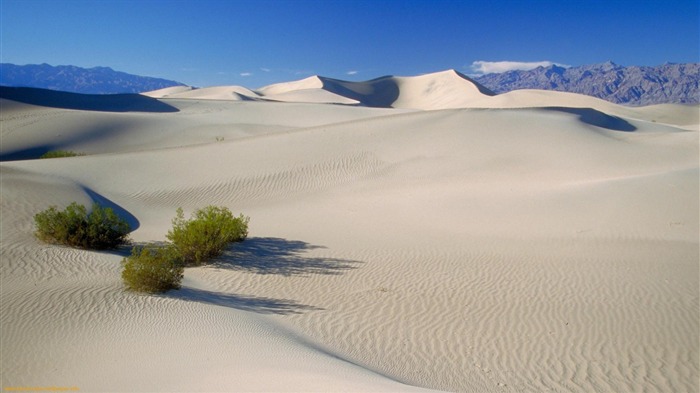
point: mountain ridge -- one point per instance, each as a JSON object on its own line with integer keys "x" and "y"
{"x": 669, "y": 83}
{"x": 74, "y": 79}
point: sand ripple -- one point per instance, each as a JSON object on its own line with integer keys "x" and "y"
{"x": 463, "y": 250}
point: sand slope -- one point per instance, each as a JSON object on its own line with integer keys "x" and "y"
{"x": 532, "y": 243}
{"x": 440, "y": 90}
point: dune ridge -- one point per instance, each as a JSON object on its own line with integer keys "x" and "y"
{"x": 452, "y": 240}
{"x": 440, "y": 90}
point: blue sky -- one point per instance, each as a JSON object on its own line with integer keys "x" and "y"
{"x": 255, "y": 43}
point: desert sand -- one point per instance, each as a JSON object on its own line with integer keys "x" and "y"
{"x": 407, "y": 233}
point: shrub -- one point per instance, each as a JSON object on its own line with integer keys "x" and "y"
{"x": 153, "y": 269}
{"x": 99, "y": 230}
{"x": 207, "y": 234}
{"x": 60, "y": 154}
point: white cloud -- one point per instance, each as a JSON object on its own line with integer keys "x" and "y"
{"x": 494, "y": 67}
{"x": 246, "y": 74}
{"x": 353, "y": 72}
{"x": 265, "y": 69}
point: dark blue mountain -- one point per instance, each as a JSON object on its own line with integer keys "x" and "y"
{"x": 631, "y": 85}
{"x": 97, "y": 80}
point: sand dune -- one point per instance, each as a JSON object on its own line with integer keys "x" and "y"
{"x": 167, "y": 91}
{"x": 234, "y": 93}
{"x": 536, "y": 241}
{"x": 313, "y": 95}
{"x": 33, "y": 130}
{"x": 441, "y": 90}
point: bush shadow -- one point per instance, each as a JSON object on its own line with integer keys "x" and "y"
{"x": 260, "y": 305}
{"x": 269, "y": 255}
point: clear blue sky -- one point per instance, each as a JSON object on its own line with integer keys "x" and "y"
{"x": 258, "y": 42}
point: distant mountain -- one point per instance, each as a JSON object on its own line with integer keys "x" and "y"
{"x": 667, "y": 83}
{"x": 97, "y": 80}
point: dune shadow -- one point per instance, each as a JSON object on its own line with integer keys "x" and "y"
{"x": 86, "y": 102}
{"x": 260, "y": 305}
{"x": 29, "y": 153}
{"x": 96, "y": 133}
{"x": 597, "y": 118}
{"x": 268, "y": 255}
{"x": 118, "y": 210}
{"x": 377, "y": 93}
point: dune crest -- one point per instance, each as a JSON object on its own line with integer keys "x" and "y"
{"x": 440, "y": 90}
{"x": 434, "y": 91}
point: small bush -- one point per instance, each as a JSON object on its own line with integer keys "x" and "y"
{"x": 99, "y": 230}
{"x": 60, "y": 154}
{"x": 153, "y": 269}
{"x": 207, "y": 234}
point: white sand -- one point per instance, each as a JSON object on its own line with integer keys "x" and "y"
{"x": 505, "y": 246}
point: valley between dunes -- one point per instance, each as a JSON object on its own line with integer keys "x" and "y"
{"x": 406, "y": 234}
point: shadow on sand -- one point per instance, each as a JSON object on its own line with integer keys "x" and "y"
{"x": 85, "y": 102}
{"x": 269, "y": 255}
{"x": 266, "y": 255}
{"x": 96, "y": 133}
{"x": 260, "y": 305}
{"x": 597, "y": 118}
{"x": 118, "y": 210}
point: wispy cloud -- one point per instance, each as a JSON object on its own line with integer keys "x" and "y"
{"x": 292, "y": 71}
{"x": 352, "y": 72}
{"x": 246, "y": 74}
{"x": 263, "y": 69}
{"x": 494, "y": 67}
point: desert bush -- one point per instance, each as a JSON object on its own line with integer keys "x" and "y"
{"x": 207, "y": 234}
{"x": 153, "y": 269}
{"x": 60, "y": 154}
{"x": 99, "y": 230}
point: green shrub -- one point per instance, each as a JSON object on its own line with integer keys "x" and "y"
{"x": 153, "y": 269}
{"x": 60, "y": 154}
{"x": 98, "y": 230}
{"x": 207, "y": 234}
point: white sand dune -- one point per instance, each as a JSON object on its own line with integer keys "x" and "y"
{"x": 535, "y": 241}
{"x": 312, "y": 82}
{"x": 441, "y": 90}
{"x": 234, "y": 93}
{"x": 167, "y": 91}
{"x": 313, "y": 95}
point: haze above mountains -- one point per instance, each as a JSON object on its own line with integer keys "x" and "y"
{"x": 629, "y": 85}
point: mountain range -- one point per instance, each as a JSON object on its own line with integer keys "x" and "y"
{"x": 628, "y": 85}
{"x": 68, "y": 78}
